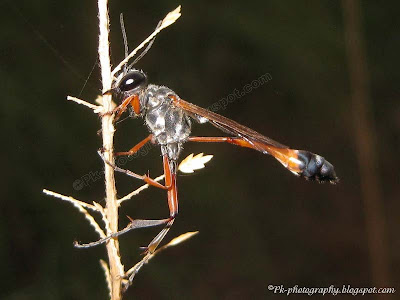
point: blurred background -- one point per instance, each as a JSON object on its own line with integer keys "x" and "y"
{"x": 333, "y": 90}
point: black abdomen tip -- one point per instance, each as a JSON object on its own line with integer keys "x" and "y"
{"x": 315, "y": 167}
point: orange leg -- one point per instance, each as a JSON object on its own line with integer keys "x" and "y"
{"x": 120, "y": 109}
{"x": 135, "y": 148}
{"x": 170, "y": 181}
{"x": 145, "y": 177}
{"x": 170, "y": 185}
{"x": 131, "y": 100}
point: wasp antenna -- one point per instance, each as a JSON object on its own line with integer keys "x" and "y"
{"x": 121, "y": 20}
{"x": 145, "y": 50}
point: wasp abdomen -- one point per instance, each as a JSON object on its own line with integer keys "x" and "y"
{"x": 315, "y": 167}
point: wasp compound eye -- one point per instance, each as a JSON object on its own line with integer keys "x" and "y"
{"x": 132, "y": 81}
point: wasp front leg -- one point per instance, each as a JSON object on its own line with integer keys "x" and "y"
{"x": 130, "y": 101}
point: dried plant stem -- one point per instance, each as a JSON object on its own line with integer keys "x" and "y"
{"x": 116, "y": 267}
{"x": 366, "y": 145}
{"x": 114, "y": 271}
{"x": 83, "y": 102}
{"x": 137, "y": 191}
{"x": 107, "y": 275}
{"x": 169, "y": 19}
{"x": 81, "y": 207}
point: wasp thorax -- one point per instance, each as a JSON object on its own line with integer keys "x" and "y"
{"x": 169, "y": 124}
{"x": 156, "y": 96}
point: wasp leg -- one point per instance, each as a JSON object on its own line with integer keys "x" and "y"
{"x": 134, "y": 224}
{"x": 120, "y": 109}
{"x": 135, "y": 148}
{"x": 170, "y": 180}
{"x": 145, "y": 178}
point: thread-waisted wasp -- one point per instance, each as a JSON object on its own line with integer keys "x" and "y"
{"x": 168, "y": 118}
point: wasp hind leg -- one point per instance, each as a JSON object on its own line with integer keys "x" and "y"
{"x": 172, "y": 192}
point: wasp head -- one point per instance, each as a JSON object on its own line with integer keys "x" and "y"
{"x": 134, "y": 82}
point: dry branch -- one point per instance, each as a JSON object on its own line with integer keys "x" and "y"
{"x": 116, "y": 277}
{"x": 107, "y": 126}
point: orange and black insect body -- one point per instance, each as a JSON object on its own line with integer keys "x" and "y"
{"x": 168, "y": 119}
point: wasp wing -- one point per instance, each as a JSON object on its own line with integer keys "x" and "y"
{"x": 227, "y": 125}
{"x": 300, "y": 162}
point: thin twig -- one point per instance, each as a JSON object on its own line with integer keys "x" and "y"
{"x": 137, "y": 191}
{"x": 80, "y": 205}
{"x": 169, "y": 19}
{"x": 116, "y": 267}
{"x": 95, "y": 108}
{"x": 136, "y": 268}
{"x": 107, "y": 275}
{"x": 71, "y": 199}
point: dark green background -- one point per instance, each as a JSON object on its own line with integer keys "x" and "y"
{"x": 258, "y": 224}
